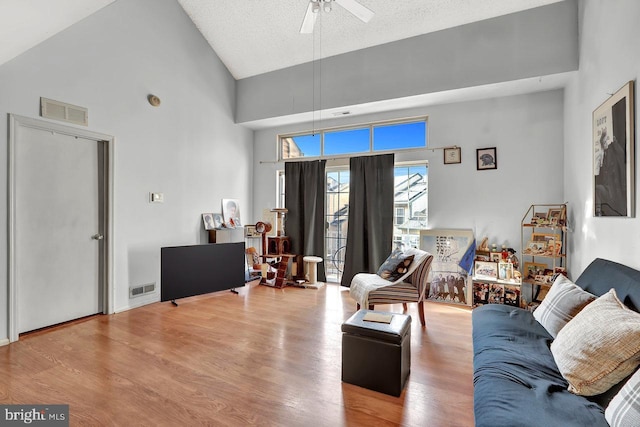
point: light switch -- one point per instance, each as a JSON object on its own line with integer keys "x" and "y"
{"x": 156, "y": 197}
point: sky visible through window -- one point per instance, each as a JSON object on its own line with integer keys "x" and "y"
{"x": 385, "y": 138}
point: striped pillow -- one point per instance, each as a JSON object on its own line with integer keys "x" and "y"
{"x": 564, "y": 300}
{"x": 600, "y": 347}
{"x": 624, "y": 409}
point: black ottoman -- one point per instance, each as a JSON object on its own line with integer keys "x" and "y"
{"x": 376, "y": 355}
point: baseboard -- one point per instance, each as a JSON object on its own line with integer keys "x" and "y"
{"x": 4, "y": 341}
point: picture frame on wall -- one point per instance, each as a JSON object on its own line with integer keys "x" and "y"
{"x": 486, "y": 158}
{"x": 613, "y": 155}
{"x": 450, "y": 283}
{"x": 452, "y": 155}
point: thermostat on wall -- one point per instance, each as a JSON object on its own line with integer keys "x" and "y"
{"x": 156, "y": 197}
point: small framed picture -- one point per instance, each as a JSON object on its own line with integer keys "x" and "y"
{"x": 532, "y": 269}
{"x": 495, "y": 256}
{"x": 485, "y": 270}
{"x": 218, "y": 220}
{"x": 486, "y": 158}
{"x": 452, "y": 155}
{"x": 505, "y": 271}
{"x": 535, "y": 247}
{"x": 207, "y": 220}
{"x": 554, "y": 216}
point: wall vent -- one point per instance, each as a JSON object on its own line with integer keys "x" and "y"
{"x": 137, "y": 291}
{"x": 57, "y": 110}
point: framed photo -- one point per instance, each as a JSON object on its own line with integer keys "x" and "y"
{"x": 486, "y": 158}
{"x": 480, "y": 293}
{"x": 539, "y": 218}
{"x": 532, "y": 269}
{"x": 496, "y": 293}
{"x": 512, "y": 295}
{"x": 452, "y": 155}
{"x": 613, "y": 155}
{"x": 207, "y": 220}
{"x": 485, "y": 270}
{"x": 218, "y": 220}
{"x": 535, "y": 247}
{"x": 450, "y": 248}
{"x": 231, "y": 212}
{"x": 554, "y": 216}
{"x": 495, "y": 257}
{"x": 505, "y": 271}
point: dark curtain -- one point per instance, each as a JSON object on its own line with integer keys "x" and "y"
{"x": 304, "y": 184}
{"x": 370, "y": 230}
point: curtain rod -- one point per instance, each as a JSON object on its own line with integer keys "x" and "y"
{"x": 302, "y": 159}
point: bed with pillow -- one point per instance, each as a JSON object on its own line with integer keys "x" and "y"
{"x": 572, "y": 362}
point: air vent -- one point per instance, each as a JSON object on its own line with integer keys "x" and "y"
{"x": 57, "y": 110}
{"x": 142, "y": 290}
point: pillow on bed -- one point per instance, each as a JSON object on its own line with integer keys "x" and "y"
{"x": 564, "y": 300}
{"x": 395, "y": 266}
{"x": 599, "y": 347}
{"x": 624, "y": 409}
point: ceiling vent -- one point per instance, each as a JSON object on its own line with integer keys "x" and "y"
{"x": 57, "y": 110}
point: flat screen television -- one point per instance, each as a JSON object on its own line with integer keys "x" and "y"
{"x": 199, "y": 269}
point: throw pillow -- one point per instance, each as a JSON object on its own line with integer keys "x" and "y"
{"x": 564, "y": 300}
{"x": 395, "y": 266}
{"x": 599, "y": 347}
{"x": 624, "y": 409}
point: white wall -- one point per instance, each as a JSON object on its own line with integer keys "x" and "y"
{"x": 189, "y": 148}
{"x": 527, "y": 131}
{"x": 609, "y": 57}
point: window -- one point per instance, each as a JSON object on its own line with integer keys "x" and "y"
{"x": 399, "y": 217}
{"x": 410, "y": 181}
{"x": 372, "y": 138}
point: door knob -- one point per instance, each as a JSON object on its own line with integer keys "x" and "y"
{"x": 97, "y": 236}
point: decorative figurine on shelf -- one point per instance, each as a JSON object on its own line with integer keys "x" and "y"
{"x": 494, "y": 247}
{"x": 505, "y": 253}
{"x": 484, "y": 245}
{"x": 513, "y": 259}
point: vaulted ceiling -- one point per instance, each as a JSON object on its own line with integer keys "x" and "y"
{"x": 253, "y": 37}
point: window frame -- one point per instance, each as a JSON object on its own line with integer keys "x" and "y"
{"x": 371, "y": 126}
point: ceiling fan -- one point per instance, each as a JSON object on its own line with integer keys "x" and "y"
{"x": 315, "y": 6}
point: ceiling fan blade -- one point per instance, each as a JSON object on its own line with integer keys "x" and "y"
{"x": 309, "y": 18}
{"x": 362, "y": 13}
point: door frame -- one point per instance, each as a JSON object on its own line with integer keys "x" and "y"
{"x": 16, "y": 121}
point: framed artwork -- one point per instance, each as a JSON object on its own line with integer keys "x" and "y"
{"x": 485, "y": 270}
{"x": 218, "y": 220}
{"x": 486, "y": 158}
{"x": 495, "y": 256}
{"x": 505, "y": 270}
{"x": 554, "y": 216}
{"x": 207, "y": 220}
{"x": 535, "y": 247}
{"x": 512, "y": 295}
{"x": 231, "y": 212}
{"x": 613, "y": 155}
{"x": 452, "y": 155}
{"x": 532, "y": 269}
{"x": 450, "y": 282}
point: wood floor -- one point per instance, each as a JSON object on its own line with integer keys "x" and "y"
{"x": 267, "y": 357}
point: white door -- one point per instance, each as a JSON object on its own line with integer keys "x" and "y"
{"x": 59, "y": 225}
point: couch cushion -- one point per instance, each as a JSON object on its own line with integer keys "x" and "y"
{"x": 564, "y": 300}
{"x": 516, "y": 381}
{"x": 599, "y": 347}
{"x": 624, "y": 409}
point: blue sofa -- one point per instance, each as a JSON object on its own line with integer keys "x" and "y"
{"x": 516, "y": 380}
